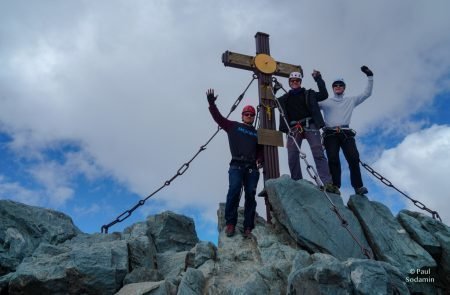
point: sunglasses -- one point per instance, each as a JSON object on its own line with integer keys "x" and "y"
{"x": 248, "y": 114}
{"x": 294, "y": 80}
{"x": 338, "y": 85}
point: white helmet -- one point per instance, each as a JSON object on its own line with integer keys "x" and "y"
{"x": 295, "y": 75}
{"x": 338, "y": 80}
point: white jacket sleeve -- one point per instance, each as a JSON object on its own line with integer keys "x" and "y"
{"x": 367, "y": 92}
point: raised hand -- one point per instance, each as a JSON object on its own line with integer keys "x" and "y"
{"x": 210, "y": 96}
{"x": 367, "y": 71}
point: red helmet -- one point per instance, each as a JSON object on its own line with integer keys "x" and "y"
{"x": 248, "y": 109}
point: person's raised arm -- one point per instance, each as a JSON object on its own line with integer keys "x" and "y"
{"x": 223, "y": 122}
{"x": 323, "y": 92}
{"x": 368, "y": 91}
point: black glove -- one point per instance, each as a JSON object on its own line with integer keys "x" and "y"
{"x": 210, "y": 96}
{"x": 367, "y": 71}
{"x": 276, "y": 86}
{"x": 316, "y": 75}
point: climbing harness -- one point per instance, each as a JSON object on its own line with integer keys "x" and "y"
{"x": 180, "y": 171}
{"x": 338, "y": 130}
{"x": 298, "y": 127}
{"x": 418, "y": 204}
{"x": 314, "y": 175}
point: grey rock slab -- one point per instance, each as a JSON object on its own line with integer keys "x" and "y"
{"x": 141, "y": 246}
{"x": 87, "y": 263}
{"x": 419, "y": 234}
{"x": 171, "y": 264}
{"x": 375, "y": 277}
{"x": 24, "y": 227}
{"x": 172, "y": 231}
{"x": 306, "y": 213}
{"x": 192, "y": 283}
{"x": 325, "y": 275}
{"x": 442, "y": 234}
{"x": 259, "y": 265}
{"x": 142, "y": 252}
{"x": 142, "y": 274}
{"x": 148, "y": 288}
{"x": 203, "y": 252}
{"x": 444, "y": 262}
{"x": 389, "y": 240}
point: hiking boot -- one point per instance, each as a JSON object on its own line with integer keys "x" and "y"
{"x": 230, "y": 230}
{"x": 247, "y": 233}
{"x": 361, "y": 191}
{"x": 331, "y": 188}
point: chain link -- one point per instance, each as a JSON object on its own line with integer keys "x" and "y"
{"x": 180, "y": 171}
{"x": 314, "y": 175}
{"x": 417, "y": 203}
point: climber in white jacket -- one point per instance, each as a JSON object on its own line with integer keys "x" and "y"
{"x": 337, "y": 113}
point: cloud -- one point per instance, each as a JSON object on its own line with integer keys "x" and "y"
{"x": 125, "y": 81}
{"x": 15, "y": 191}
{"x": 418, "y": 166}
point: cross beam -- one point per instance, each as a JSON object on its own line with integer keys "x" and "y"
{"x": 247, "y": 62}
{"x": 264, "y": 67}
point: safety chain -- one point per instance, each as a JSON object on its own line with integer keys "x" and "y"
{"x": 418, "y": 204}
{"x": 180, "y": 171}
{"x": 314, "y": 175}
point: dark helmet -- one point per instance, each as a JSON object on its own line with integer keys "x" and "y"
{"x": 338, "y": 81}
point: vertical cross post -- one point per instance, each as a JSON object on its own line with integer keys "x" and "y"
{"x": 266, "y": 101}
{"x": 264, "y": 67}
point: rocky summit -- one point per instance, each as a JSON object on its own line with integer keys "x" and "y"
{"x": 315, "y": 244}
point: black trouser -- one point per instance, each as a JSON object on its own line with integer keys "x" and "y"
{"x": 333, "y": 142}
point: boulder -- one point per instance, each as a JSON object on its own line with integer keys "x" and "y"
{"x": 419, "y": 234}
{"x": 203, "y": 252}
{"x": 259, "y": 265}
{"x": 94, "y": 264}
{"x": 324, "y": 274}
{"x": 148, "y": 288}
{"x": 434, "y": 236}
{"x": 391, "y": 242}
{"x": 162, "y": 255}
{"x": 192, "y": 283}
{"x": 141, "y": 246}
{"x": 171, "y": 264}
{"x": 375, "y": 277}
{"x": 142, "y": 274}
{"x": 24, "y": 227}
{"x": 172, "y": 232}
{"x": 304, "y": 211}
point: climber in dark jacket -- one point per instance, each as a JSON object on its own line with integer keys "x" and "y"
{"x": 302, "y": 112}
{"x": 246, "y": 157}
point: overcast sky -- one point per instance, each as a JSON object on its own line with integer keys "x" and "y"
{"x": 102, "y": 101}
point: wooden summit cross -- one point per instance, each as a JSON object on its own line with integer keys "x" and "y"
{"x": 264, "y": 66}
